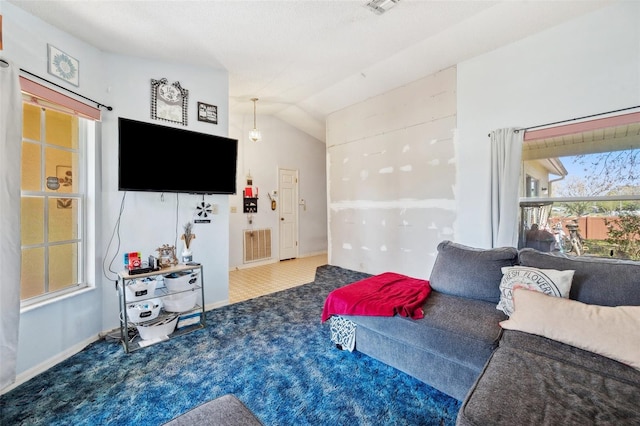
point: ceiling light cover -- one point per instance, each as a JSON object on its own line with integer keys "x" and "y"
{"x": 255, "y": 135}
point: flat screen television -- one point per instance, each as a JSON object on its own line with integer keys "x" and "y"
{"x": 167, "y": 159}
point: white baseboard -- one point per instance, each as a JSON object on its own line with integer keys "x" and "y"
{"x": 44, "y": 366}
{"x": 29, "y": 374}
{"x": 272, "y": 260}
{"x": 254, "y": 264}
{"x": 216, "y": 305}
{"x": 315, "y": 253}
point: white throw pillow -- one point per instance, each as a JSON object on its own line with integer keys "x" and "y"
{"x": 613, "y": 332}
{"x": 547, "y": 281}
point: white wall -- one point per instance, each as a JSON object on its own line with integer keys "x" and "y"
{"x": 150, "y": 220}
{"x": 391, "y": 177}
{"x": 55, "y": 330}
{"x": 587, "y": 66}
{"x": 282, "y": 146}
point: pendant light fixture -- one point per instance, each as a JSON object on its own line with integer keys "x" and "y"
{"x": 254, "y": 134}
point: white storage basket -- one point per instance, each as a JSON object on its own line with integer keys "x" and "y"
{"x": 144, "y": 311}
{"x": 160, "y": 328}
{"x": 180, "y": 302}
{"x": 140, "y": 289}
{"x": 181, "y": 281}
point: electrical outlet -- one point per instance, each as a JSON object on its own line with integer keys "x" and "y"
{"x": 214, "y": 209}
{"x": 234, "y": 209}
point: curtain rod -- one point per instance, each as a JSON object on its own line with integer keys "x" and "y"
{"x": 574, "y": 119}
{"x": 70, "y": 91}
{"x": 581, "y": 118}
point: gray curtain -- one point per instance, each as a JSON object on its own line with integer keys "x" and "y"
{"x": 506, "y": 159}
{"x": 10, "y": 251}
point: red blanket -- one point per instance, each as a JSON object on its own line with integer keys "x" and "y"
{"x": 386, "y": 294}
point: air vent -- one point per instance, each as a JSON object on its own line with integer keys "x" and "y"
{"x": 381, "y": 6}
{"x": 257, "y": 244}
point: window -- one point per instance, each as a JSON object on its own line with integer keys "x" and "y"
{"x": 53, "y": 200}
{"x": 532, "y": 185}
{"x": 589, "y": 188}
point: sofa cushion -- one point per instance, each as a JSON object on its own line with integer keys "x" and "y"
{"x": 596, "y": 281}
{"x": 470, "y": 272}
{"x": 532, "y": 380}
{"x": 459, "y": 329}
{"x": 613, "y": 332}
{"x": 549, "y": 281}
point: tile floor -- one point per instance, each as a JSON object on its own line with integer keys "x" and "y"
{"x": 257, "y": 281}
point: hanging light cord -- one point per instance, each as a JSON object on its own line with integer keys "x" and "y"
{"x": 254, "y": 112}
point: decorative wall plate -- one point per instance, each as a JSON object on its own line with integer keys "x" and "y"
{"x": 169, "y": 101}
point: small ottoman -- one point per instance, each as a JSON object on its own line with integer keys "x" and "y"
{"x": 226, "y": 410}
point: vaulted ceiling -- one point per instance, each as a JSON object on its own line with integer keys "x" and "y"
{"x": 305, "y": 59}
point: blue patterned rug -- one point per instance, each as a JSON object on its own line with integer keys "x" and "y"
{"x": 272, "y": 352}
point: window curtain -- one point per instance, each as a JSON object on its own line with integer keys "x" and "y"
{"x": 506, "y": 159}
{"x": 10, "y": 251}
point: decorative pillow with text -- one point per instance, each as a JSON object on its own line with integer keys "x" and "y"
{"x": 548, "y": 281}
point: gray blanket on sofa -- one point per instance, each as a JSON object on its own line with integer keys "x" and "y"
{"x": 550, "y": 383}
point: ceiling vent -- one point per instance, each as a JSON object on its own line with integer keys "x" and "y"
{"x": 381, "y": 6}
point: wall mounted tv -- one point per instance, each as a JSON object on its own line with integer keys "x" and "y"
{"x": 166, "y": 159}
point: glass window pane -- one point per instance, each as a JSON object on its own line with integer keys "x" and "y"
{"x": 61, "y": 129}
{"x": 63, "y": 219}
{"x": 592, "y": 191}
{"x": 32, "y": 280}
{"x": 63, "y": 266}
{"x": 51, "y": 152}
{"x": 31, "y": 174}
{"x": 31, "y": 122}
{"x": 59, "y": 163}
{"x": 32, "y": 216}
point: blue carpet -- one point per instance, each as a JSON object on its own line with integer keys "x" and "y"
{"x": 272, "y": 352}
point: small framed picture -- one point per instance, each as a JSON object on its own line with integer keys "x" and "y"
{"x": 63, "y": 66}
{"x": 208, "y": 113}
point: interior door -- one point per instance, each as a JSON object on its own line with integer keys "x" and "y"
{"x": 288, "y": 190}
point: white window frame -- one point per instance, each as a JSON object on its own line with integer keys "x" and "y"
{"x": 601, "y": 125}
{"x": 86, "y": 178}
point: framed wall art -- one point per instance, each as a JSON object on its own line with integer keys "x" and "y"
{"x": 207, "y": 113}
{"x": 63, "y": 66}
{"x": 169, "y": 101}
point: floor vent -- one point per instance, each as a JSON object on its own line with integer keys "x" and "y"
{"x": 257, "y": 244}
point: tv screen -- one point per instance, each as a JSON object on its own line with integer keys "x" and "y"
{"x": 166, "y": 159}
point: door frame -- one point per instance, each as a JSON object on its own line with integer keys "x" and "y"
{"x": 296, "y": 172}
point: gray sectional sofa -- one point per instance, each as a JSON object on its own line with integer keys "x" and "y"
{"x": 508, "y": 376}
